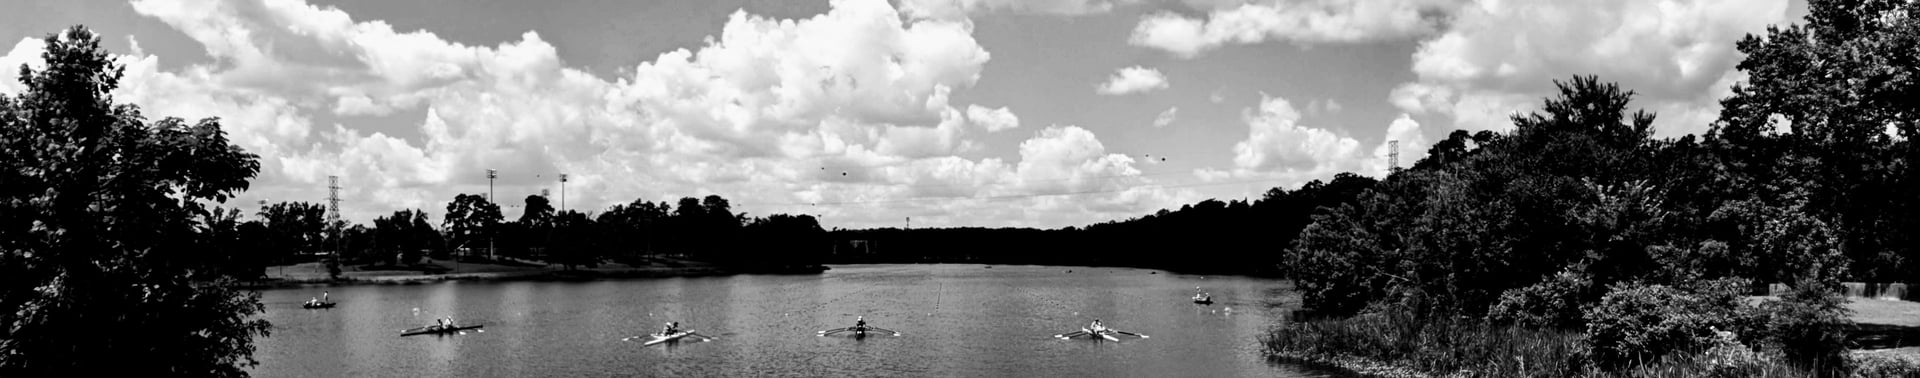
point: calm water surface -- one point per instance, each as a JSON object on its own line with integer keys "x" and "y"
{"x": 957, "y": 320}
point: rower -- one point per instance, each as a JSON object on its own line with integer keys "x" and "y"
{"x": 861, "y": 322}
{"x": 672, "y": 328}
{"x": 312, "y": 301}
{"x": 1096, "y": 327}
{"x": 323, "y": 296}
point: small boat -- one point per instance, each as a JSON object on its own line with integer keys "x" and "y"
{"x": 1102, "y": 333}
{"x": 315, "y": 305}
{"x": 858, "y": 331}
{"x": 1205, "y": 299}
{"x": 437, "y": 330}
{"x": 659, "y": 338}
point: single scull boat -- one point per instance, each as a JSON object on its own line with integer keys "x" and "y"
{"x": 437, "y": 329}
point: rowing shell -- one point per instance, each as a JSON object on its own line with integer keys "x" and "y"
{"x": 1105, "y": 333}
{"x": 436, "y": 330}
{"x": 660, "y": 338}
{"x": 857, "y": 331}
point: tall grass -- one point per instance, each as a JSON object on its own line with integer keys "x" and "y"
{"x": 1397, "y": 344}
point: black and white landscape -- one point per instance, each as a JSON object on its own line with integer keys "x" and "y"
{"x": 1629, "y": 188}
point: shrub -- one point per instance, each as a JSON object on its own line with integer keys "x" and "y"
{"x": 1636, "y": 322}
{"x": 1553, "y": 303}
{"x": 1888, "y": 365}
{"x": 1808, "y": 324}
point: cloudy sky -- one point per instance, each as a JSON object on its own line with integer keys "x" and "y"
{"x": 1043, "y": 113}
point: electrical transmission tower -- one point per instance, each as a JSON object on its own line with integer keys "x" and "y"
{"x": 1393, "y": 156}
{"x": 333, "y": 200}
{"x": 333, "y": 219}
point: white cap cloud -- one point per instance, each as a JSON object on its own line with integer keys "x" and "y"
{"x": 1131, "y": 80}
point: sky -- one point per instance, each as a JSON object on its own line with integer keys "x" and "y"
{"x": 874, "y": 113}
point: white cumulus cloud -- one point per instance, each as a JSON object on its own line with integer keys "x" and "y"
{"x": 1134, "y": 79}
{"x": 1166, "y": 117}
{"x": 845, "y": 114}
{"x": 1279, "y": 147}
{"x": 1304, "y": 21}
{"x": 958, "y": 9}
{"x": 1499, "y": 57}
{"x": 994, "y": 120}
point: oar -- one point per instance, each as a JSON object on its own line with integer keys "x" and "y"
{"x": 1109, "y": 337}
{"x": 834, "y": 331}
{"x": 1070, "y": 335}
{"x": 895, "y": 333}
{"x": 1131, "y": 334}
{"x": 702, "y": 337}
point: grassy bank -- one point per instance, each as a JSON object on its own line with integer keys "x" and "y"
{"x": 1399, "y": 345}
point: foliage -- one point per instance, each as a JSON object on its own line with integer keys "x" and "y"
{"x": 404, "y": 235}
{"x": 1571, "y": 184}
{"x": 634, "y": 228}
{"x": 1808, "y": 324}
{"x": 574, "y": 241}
{"x": 294, "y": 227}
{"x": 102, "y": 238}
{"x": 1883, "y": 365}
{"x": 1828, "y": 106}
{"x": 1638, "y": 322}
{"x": 1437, "y": 346}
{"x": 538, "y": 213}
{"x": 1552, "y": 303}
{"x": 471, "y": 221}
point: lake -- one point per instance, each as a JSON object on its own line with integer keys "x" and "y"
{"x": 956, "y": 320}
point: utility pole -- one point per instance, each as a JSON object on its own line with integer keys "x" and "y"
{"x": 491, "y": 174}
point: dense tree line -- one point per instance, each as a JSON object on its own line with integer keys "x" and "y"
{"x": 1578, "y": 218}
{"x": 1210, "y": 236}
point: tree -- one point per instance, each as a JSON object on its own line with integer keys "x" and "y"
{"x": 1829, "y": 105}
{"x": 574, "y": 241}
{"x": 539, "y": 212}
{"x": 404, "y": 234}
{"x": 1572, "y": 184}
{"x": 634, "y": 226}
{"x": 471, "y": 221}
{"x": 99, "y": 225}
{"x": 294, "y": 227}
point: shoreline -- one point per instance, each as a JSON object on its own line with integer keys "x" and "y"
{"x": 536, "y": 275}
